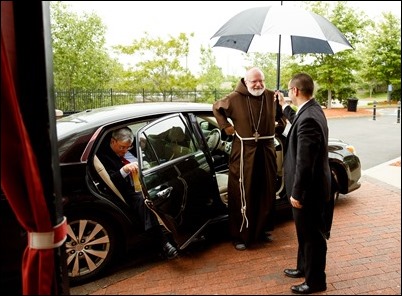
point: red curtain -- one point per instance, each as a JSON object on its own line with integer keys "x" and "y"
{"x": 21, "y": 184}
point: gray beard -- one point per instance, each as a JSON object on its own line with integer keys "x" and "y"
{"x": 256, "y": 93}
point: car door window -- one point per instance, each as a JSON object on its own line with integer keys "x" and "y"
{"x": 164, "y": 141}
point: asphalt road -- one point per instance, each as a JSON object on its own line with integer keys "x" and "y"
{"x": 376, "y": 141}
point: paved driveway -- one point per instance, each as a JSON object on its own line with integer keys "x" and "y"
{"x": 364, "y": 257}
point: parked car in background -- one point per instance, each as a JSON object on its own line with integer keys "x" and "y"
{"x": 183, "y": 163}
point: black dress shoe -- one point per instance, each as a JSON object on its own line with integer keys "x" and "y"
{"x": 266, "y": 238}
{"x": 293, "y": 273}
{"x": 169, "y": 251}
{"x": 240, "y": 246}
{"x": 306, "y": 289}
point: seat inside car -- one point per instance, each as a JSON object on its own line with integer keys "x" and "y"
{"x": 222, "y": 180}
{"x": 175, "y": 146}
{"x": 100, "y": 169}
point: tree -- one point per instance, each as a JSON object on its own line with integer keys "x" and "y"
{"x": 80, "y": 57}
{"x": 211, "y": 77}
{"x": 336, "y": 74}
{"x": 382, "y": 54}
{"x": 159, "y": 67}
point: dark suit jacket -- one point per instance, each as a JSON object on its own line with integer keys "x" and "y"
{"x": 306, "y": 165}
{"x": 112, "y": 163}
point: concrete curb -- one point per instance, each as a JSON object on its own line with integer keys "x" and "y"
{"x": 386, "y": 172}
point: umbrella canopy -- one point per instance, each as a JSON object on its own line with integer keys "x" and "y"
{"x": 280, "y": 29}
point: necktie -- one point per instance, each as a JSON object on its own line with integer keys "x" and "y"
{"x": 124, "y": 160}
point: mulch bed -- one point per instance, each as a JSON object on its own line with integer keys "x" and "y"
{"x": 343, "y": 112}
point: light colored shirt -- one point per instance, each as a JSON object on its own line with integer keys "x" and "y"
{"x": 301, "y": 106}
{"x": 131, "y": 158}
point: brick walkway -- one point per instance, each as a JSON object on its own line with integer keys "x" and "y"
{"x": 364, "y": 257}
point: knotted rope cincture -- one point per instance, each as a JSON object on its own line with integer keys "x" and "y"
{"x": 241, "y": 178}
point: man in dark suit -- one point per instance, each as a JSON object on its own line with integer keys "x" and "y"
{"x": 120, "y": 164}
{"x": 308, "y": 182}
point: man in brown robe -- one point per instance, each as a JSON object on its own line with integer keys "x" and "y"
{"x": 252, "y": 166}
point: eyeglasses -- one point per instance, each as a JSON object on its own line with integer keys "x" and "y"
{"x": 300, "y": 89}
{"x": 122, "y": 147}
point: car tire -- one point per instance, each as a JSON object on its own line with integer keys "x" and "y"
{"x": 90, "y": 247}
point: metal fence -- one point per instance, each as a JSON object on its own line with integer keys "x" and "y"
{"x": 72, "y": 101}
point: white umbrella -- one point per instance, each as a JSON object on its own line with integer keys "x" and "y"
{"x": 280, "y": 29}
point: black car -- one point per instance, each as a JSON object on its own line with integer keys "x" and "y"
{"x": 183, "y": 164}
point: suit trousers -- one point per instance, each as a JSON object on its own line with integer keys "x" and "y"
{"x": 312, "y": 246}
{"x": 142, "y": 211}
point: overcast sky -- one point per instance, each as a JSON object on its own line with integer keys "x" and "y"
{"x": 128, "y": 20}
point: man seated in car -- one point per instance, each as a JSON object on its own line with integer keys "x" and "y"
{"x": 120, "y": 164}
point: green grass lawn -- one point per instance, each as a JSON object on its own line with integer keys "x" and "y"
{"x": 377, "y": 96}
{"x": 380, "y": 98}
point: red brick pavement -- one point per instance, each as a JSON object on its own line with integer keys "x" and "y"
{"x": 364, "y": 257}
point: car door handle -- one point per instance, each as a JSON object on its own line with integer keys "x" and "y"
{"x": 165, "y": 193}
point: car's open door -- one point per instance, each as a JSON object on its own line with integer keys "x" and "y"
{"x": 178, "y": 181}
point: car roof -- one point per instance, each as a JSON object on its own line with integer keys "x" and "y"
{"x": 97, "y": 117}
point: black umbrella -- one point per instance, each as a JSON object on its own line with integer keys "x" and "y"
{"x": 280, "y": 29}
